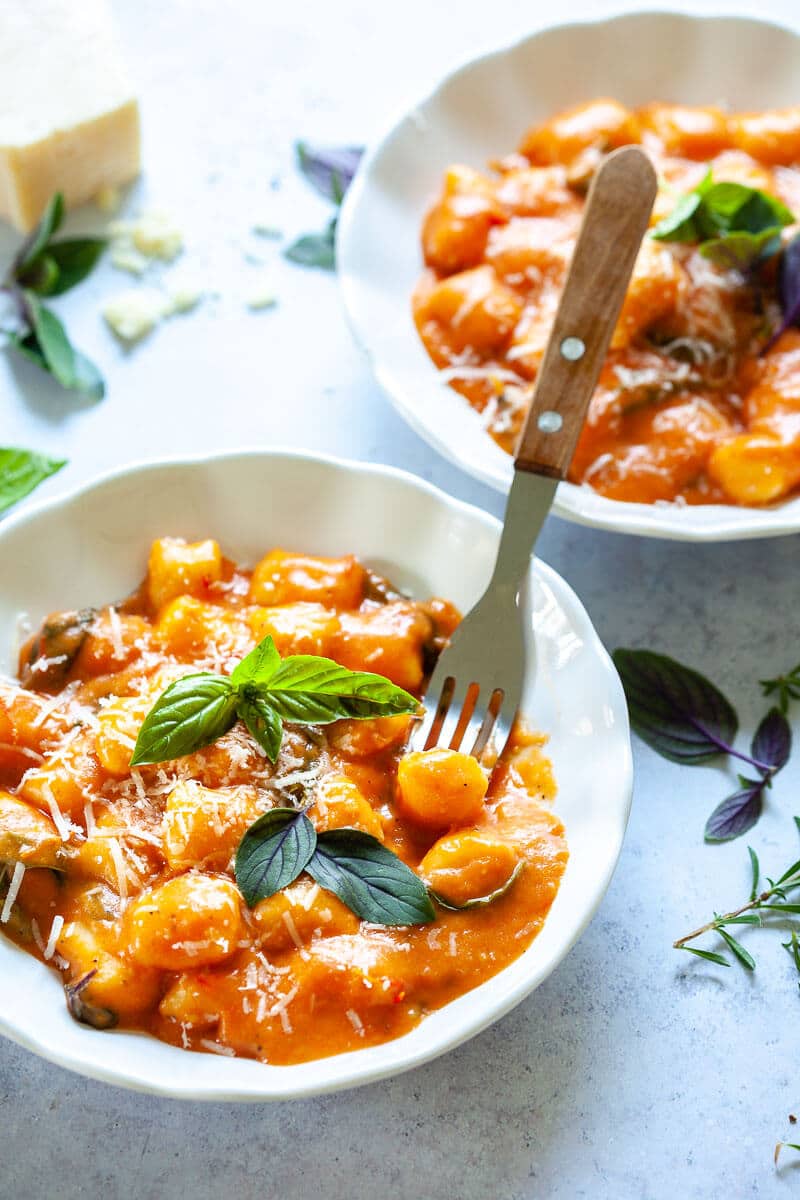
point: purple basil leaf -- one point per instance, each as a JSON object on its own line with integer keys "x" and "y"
{"x": 772, "y": 741}
{"x": 788, "y": 290}
{"x": 329, "y": 168}
{"x": 674, "y": 709}
{"x": 736, "y": 814}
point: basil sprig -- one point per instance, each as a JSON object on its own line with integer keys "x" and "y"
{"x": 264, "y": 690}
{"x": 330, "y": 170}
{"x": 43, "y": 267}
{"x": 365, "y": 875}
{"x": 735, "y": 226}
{"x": 21, "y": 471}
{"x": 685, "y": 718}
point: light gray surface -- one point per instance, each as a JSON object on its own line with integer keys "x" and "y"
{"x": 632, "y": 1072}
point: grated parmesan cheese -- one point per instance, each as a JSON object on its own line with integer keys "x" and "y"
{"x": 355, "y": 1021}
{"x": 55, "y": 933}
{"x": 13, "y": 889}
{"x": 216, "y": 1048}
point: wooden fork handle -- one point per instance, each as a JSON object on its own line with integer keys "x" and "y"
{"x": 616, "y": 216}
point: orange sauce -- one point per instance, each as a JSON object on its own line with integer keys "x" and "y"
{"x": 688, "y": 407}
{"x": 122, "y": 879}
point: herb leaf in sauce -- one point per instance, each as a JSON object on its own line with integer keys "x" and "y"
{"x": 479, "y": 901}
{"x": 21, "y": 471}
{"x": 43, "y": 267}
{"x": 370, "y": 879}
{"x": 734, "y": 225}
{"x": 273, "y": 852}
{"x": 264, "y": 690}
{"x": 193, "y": 712}
{"x": 685, "y": 718}
{"x": 772, "y": 900}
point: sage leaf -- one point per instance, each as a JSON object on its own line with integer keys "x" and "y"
{"x": 21, "y": 471}
{"x": 263, "y": 722}
{"x": 315, "y": 249}
{"x": 259, "y": 665}
{"x": 273, "y": 852}
{"x": 193, "y": 712}
{"x": 709, "y": 955}
{"x": 676, "y": 710}
{"x": 330, "y": 169}
{"x": 313, "y": 690}
{"x": 370, "y": 879}
{"x": 71, "y": 368}
{"x": 772, "y": 741}
{"x": 74, "y": 258}
{"x": 37, "y": 240}
{"x": 738, "y": 949}
{"x": 734, "y": 815}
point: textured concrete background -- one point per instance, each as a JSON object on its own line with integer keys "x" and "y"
{"x": 632, "y": 1072}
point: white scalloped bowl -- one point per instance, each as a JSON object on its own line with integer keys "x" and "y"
{"x": 92, "y": 545}
{"x": 481, "y": 110}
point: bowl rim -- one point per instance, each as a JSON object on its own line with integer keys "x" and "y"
{"x": 573, "y": 502}
{"x": 353, "y": 1073}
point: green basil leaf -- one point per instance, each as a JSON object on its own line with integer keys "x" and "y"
{"x": 679, "y": 225}
{"x": 370, "y": 879}
{"x": 707, "y": 954}
{"x": 315, "y": 249}
{"x": 259, "y": 665}
{"x": 74, "y": 258}
{"x": 263, "y": 723}
{"x": 42, "y": 276}
{"x": 71, "y": 368}
{"x": 735, "y": 207}
{"x": 676, "y": 710}
{"x": 311, "y": 690}
{"x": 193, "y": 712}
{"x": 479, "y": 901}
{"x": 741, "y": 251}
{"x": 21, "y": 471}
{"x": 738, "y": 949}
{"x": 273, "y": 852}
{"x": 37, "y": 241}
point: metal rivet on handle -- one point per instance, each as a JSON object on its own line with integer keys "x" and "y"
{"x": 550, "y": 422}
{"x": 572, "y": 348}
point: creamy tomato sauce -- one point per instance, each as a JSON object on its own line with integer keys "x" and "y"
{"x": 687, "y": 407}
{"x": 122, "y": 879}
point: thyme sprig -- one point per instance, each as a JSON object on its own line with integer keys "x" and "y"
{"x": 772, "y": 900}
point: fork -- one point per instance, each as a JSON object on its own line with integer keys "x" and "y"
{"x": 475, "y": 690}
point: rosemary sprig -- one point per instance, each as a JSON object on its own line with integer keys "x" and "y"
{"x": 773, "y": 899}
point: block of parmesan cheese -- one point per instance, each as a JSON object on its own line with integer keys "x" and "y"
{"x": 69, "y": 121}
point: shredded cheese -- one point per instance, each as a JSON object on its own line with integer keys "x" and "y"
{"x": 13, "y": 889}
{"x": 55, "y": 934}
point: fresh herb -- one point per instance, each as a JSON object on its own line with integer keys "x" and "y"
{"x": 273, "y": 852}
{"x": 366, "y": 876}
{"x": 264, "y": 690}
{"x": 43, "y": 267}
{"x": 685, "y": 718}
{"x": 330, "y": 170}
{"x": 784, "y": 1146}
{"x": 21, "y": 471}
{"x": 787, "y": 687}
{"x": 370, "y": 879}
{"x": 773, "y": 900}
{"x": 479, "y": 901}
{"x": 735, "y": 226}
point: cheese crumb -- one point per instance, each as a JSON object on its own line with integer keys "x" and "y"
{"x": 124, "y": 258}
{"x": 260, "y": 298}
{"x": 133, "y": 313}
{"x": 154, "y": 234}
